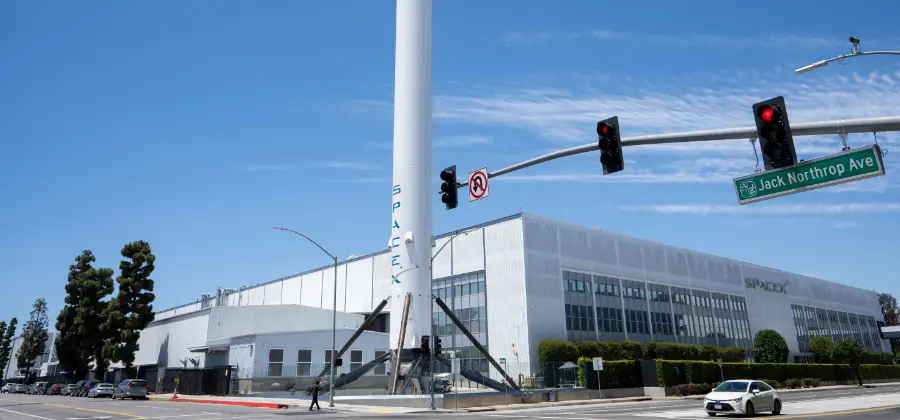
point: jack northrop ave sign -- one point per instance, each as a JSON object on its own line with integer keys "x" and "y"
{"x": 771, "y": 286}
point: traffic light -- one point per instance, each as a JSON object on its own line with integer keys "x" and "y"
{"x": 425, "y": 343}
{"x": 338, "y": 362}
{"x": 610, "y": 145}
{"x": 448, "y": 188}
{"x": 775, "y": 140}
{"x": 437, "y": 345}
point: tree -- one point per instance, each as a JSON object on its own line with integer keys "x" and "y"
{"x": 69, "y": 348}
{"x": 891, "y": 315}
{"x": 889, "y": 309}
{"x": 850, "y": 352}
{"x": 769, "y": 347}
{"x": 95, "y": 284}
{"x": 34, "y": 337}
{"x": 822, "y": 349}
{"x": 131, "y": 310}
{"x": 7, "y": 334}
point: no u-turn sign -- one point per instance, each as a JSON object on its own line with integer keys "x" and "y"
{"x": 478, "y": 185}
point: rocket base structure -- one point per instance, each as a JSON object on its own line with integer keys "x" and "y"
{"x": 411, "y": 239}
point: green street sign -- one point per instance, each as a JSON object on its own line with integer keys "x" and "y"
{"x": 502, "y": 360}
{"x": 839, "y": 168}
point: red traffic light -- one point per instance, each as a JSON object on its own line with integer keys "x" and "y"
{"x": 604, "y": 129}
{"x": 768, "y": 114}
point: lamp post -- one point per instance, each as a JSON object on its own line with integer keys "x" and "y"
{"x": 433, "y": 340}
{"x": 854, "y": 52}
{"x": 333, "y": 313}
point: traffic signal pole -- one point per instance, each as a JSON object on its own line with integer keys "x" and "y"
{"x": 840, "y": 127}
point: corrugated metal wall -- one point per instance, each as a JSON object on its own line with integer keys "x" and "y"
{"x": 166, "y": 342}
{"x": 552, "y": 246}
{"x": 508, "y": 315}
{"x": 225, "y": 322}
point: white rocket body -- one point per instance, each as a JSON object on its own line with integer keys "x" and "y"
{"x": 413, "y": 192}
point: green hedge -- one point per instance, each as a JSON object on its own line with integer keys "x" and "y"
{"x": 616, "y": 374}
{"x": 869, "y": 358}
{"x": 675, "y": 372}
{"x": 558, "y": 350}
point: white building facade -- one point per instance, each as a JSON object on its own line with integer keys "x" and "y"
{"x": 518, "y": 280}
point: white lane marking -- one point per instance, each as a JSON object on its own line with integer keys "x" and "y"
{"x": 26, "y": 414}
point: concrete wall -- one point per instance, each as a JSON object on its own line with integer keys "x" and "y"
{"x": 234, "y": 321}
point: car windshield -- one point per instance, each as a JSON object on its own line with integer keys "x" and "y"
{"x": 104, "y": 386}
{"x": 138, "y": 384}
{"x": 732, "y": 387}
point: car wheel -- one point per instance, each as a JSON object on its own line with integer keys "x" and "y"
{"x": 710, "y": 414}
{"x": 776, "y": 409}
{"x": 749, "y": 410}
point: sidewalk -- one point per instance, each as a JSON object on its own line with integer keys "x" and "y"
{"x": 285, "y": 403}
{"x": 303, "y": 403}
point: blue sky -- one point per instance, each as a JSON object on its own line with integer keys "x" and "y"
{"x": 199, "y": 125}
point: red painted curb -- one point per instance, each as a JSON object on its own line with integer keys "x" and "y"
{"x": 226, "y": 402}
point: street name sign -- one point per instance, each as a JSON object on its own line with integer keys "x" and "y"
{"x": 849, "y": 166}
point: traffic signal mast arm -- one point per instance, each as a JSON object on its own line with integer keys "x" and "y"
{"x": 859, "y": 125}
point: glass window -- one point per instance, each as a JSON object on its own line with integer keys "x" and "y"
{"x": 328, "y": 359}
{"x": 304, "y": 362}
{"x": 381, "y": 368}
{"x": 276, "y": 362}
{"x": 356, "y": 359}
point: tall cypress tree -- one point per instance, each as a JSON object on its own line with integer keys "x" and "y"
{"x": 34, "y": 337}
{"x": 69, "y": 348}
{"x": 131, "y": 310}
{"x": 6, "y": 343}
{"x": 95, "y": 284}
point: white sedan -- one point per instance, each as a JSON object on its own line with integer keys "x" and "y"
{"x": 742, "y": 396}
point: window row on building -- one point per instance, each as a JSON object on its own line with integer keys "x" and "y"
{"x": 465, "y": 295}
{"x": 814, "y": 322}
{"x": 306, "y": 366}
{"x": 600, "y": 307}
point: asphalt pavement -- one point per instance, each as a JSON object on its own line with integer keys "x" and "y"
{"x": 47, "y": 407}
{"x": 841, "y": 404}
{"x": 881, "y": 403}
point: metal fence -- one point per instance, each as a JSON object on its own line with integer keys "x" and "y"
{"x": 279, "y": 379}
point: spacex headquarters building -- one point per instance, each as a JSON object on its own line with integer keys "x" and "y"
{"x": 513, "y": 282}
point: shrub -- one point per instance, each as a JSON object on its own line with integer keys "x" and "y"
{"x": 810, "y": 382}
{"x": 558, "y": 350}
{"x": 791, "y": 383}
{"x": 869, "y": 358}
{"x": 769, "y": 347}
{"x": 616, "y": 374}
{"x": 822, "y": 348}
{"x": 773, "y": 384}
{"x": 675, "y": 372}
{"x": 693, "y": 389}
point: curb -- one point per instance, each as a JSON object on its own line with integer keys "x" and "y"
{"x": 237, "y": 403}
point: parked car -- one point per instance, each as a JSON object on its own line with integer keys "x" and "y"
{"x": 55, "y": 389}
{"x": 746, "y": 397}
{"x": 21, "y": 389}
{"x": 70, "y": 389}
{"x": 8, "y": 388}
{"x": 37, "y": 388}
{"x": 131, "y": 388}
{"x": 101, "y": 390}
{"x": 84, "y": 388}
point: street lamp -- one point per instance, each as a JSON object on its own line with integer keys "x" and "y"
{"x": 333, "y": 313}
{"x": 431, "y": 271}
{"x": 854, "y": 52}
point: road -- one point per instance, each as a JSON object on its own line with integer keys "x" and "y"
{"x": 45, "y": 407}
{"x": 882, "y": 403}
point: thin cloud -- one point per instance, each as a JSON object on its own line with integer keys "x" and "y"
{"x": 459, "y": 141}
{"x": 783, "y": 209}
{"x": 783, "y": 40}
{"x": 352, "y": 166}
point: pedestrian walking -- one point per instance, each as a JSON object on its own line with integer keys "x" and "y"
{"x": 314, "y": 391}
